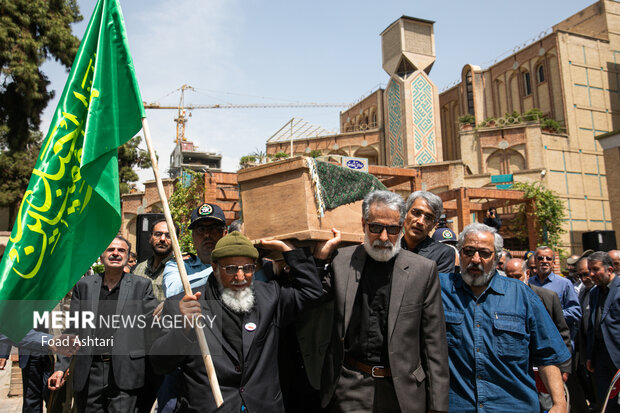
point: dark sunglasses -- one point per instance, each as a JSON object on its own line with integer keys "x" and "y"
{"x": 212, "y": 230}
{"x": 234, "y": 269}
{"x": 471, "y": 251}
{"x": 543, "y": 258}
{"x": 378, "y": 228}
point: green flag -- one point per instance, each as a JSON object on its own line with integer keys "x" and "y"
{"x": 71, "y": 210}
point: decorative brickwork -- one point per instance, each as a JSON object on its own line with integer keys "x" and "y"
{"x": 396, "y": 156}
{"x": 423, "y": 120}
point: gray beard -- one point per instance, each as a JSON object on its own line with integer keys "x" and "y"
{"x": 381, "y": 254}
{"x": 240, "y": 301}
{"x": 480, "y": 280}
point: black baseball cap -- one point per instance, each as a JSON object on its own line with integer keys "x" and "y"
{"x": 207, "y": 211}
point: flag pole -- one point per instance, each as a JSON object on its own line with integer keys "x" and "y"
{"x": 202, "y": 341}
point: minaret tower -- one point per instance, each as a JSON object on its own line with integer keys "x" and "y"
{"x": 412, "y": 126}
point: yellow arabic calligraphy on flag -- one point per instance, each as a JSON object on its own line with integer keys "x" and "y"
{"x": 71, "y": 210}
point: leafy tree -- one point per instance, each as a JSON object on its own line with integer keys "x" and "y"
{"x": 130, "y": 156}
{"x": 31, "y": 31}
{"x": 281, "y": 155}
{"x": 247, "y": 161}
{"x": 15, "y": 170}
{"x": 549, "y": 214}
{"x": 315, "y": 153}
{"x": 187, "y": 195}
{"x": 260, "y": 156}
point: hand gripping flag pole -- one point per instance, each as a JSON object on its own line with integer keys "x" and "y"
{"x": 202, "y": 341}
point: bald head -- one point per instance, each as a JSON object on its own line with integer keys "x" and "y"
{"x": 515, "y": 268}
{"x": 615, "y": 259}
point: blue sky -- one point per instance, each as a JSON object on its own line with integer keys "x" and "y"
{"x": 252, "y": 51}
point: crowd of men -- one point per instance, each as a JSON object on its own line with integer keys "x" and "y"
{"x": 410, "y": 321}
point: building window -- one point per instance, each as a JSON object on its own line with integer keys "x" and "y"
{"x": 527, "y": 84}
{"x": 540, "y": 72}
{"x": 469, "y": 87}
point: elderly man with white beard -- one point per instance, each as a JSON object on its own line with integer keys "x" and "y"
{"x": 388, "y": 350}
{"x": 242, "y": 321}
{"x": 497, "y": 328}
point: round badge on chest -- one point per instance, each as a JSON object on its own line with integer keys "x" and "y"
{"x": 250, "y": 326}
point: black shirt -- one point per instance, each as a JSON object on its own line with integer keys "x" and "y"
{"x": 366, "y": 338}
{"x": 442, "y": 254}
{"x": 108, "y": 299}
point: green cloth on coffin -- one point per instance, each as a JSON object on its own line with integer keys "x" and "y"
{"x": 340, "y": 186}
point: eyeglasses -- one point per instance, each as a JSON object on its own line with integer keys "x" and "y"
{"x": 376, "y": 228}
{"x": 483, "y": 253}
{"x": 543, "y": 258}
{"x": 417, "y": 213}
{"x": 234, "y": 269}
{"x": 160, "y": 234}
{"x": 212, "y": 230}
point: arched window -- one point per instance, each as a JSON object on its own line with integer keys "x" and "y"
{"x": 469, "y": 88}
{"x": 540, "y": 73}
{"x": 527, "y": 84}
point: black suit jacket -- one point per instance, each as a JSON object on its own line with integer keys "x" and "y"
{"x": 253, "y": 381}
{"x": 552, "y": 304}
{"x": 130, "y": 344}
{"x": 417, "y": 345}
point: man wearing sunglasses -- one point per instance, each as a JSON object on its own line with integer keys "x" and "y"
{"x": 423, "y": 212}
{"x": 388, "y": 349}
{"x": 243, "y": 337}
{"x": 497, "y": 328}
{"x": 208, "y": 226}
{"x": 546, "y": 278}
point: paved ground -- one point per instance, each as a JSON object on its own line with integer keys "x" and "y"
{"x": 9, "y": 404}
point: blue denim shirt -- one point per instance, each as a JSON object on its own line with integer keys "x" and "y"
{"x": 568, "y": 298}
{"x": 493, "y": 343}
{"x": 197, "y": 273}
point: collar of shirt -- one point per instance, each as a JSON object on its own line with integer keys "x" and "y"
{"x": 421, "y": 245}
{"x": 160, "y": 267}
{"x": 549, "y": 278}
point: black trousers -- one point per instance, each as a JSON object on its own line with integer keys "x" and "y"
{"x": 102, "y": 395}
{"x": 34, "y": 382}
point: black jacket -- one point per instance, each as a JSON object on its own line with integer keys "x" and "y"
{"x": 254, "y": 382}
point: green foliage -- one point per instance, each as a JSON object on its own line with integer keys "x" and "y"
{"x": 183, "y": 200}
{"x": 487, "y": 122}
{"x": 281, "y": 155}
{"x": 549, "y": 214}
{"x": 15, "y": 170}
{"x": 512, "y": 118}
{"x": 533, "y": 115}
{"x": 315, "y": 153}
{"x": 130, "y": 156}
{"x": 247, "y": 160}
{"x": 31, "y": 31}
{"x": 98, "y": 268}
{"x": 467, "y": 119}
{"x": 551, "y": 124}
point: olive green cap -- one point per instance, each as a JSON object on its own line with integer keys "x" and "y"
{"x": 234, "y": 244}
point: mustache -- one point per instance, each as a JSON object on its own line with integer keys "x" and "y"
{"x": 379, "y": 243}
{"x": 239, "y": 283}
{"x": 115, "y": 258}
{"x": 472, "y": 266}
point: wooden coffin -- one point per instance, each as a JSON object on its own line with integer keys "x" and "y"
{"x": 278, "y": 202}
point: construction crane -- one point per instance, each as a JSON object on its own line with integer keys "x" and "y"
{"x": 182, "y": 109}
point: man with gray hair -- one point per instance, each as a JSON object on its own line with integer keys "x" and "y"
{"x": 423, "y": 212}
{"x": 497, "y": 328}
{"x": 388, "y": 349}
